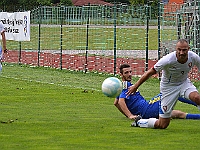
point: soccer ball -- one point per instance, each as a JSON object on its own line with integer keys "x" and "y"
{"x": 111, "y": 87}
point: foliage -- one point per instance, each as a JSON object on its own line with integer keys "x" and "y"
{"x": 118, "y": 1}
{"x": 66, "y": 2}
{"x": 135, "y": 2}
{"x": 20, "y": 5}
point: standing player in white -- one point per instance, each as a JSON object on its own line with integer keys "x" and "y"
{"x": 174, "y": 83}
{"x": 3, "y": 47}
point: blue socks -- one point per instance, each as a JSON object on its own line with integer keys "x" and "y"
{"x": 187, "y": 101}
{"x": 192, "y": 116}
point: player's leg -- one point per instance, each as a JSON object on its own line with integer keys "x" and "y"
{"x": 165, "y": 110}
{"x": 149, "y": 118}
{"x": 178, "y": 114}
{"x": 187, "y": 101}
{"x": 160, "y": 123}
{"x": 170, "y": 95}
{"x": 182, "y": 115}
{"x": 189, "y": 91}
{"x": 195, "y": 97}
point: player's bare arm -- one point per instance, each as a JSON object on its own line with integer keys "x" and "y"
{"x": 4, "y": 41}
{"x": 125, "y": 110}
{"x": 118, "y": 106}
{"x": 145, "y": 76}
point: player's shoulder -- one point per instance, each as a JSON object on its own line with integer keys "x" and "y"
{"x": 169, "y": 58}
{"x": 1, "y": 27}
{"x": 1, "y": 24}
{"x": 126, "y": 84}
{"x": 191, "y": 53}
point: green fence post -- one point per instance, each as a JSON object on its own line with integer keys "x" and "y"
{"x": 159, "y": 30}
{"x": 179, "y": 25}
{"x": 147, "y": 36}
{"x": 62, "y": 9}
{"x": 20, "y": 52}
{"x": 159, "y": 40}
{"x": 39, "y": 35}
{"x": 87, "y": 37}
{"x": 115, "y": 57}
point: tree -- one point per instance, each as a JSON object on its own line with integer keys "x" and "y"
{"x": 44, "y": 2}
{"x": 137, "y": 2}
{"x": 118, "y": 1}
{"x": 66, "y": 2}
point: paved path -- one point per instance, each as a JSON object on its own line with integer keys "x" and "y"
{"x": 152, "y": 54}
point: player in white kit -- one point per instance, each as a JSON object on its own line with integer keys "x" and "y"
{"x": 174, "y": 83}
{"x": 3, "y": 47}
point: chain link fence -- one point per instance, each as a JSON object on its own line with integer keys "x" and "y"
{"x": 100, "y": 38}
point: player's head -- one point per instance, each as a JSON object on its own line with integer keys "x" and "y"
{"x": 125, "y": 72}
{"x": 182, "y": 48}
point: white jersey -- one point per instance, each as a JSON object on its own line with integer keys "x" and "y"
{"x": 173, "y": 72}
{"x": 1, "y": 27}
{"x": 1, "y": 30}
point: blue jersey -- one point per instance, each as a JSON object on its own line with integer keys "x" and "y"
{"x": 137, "y": 105}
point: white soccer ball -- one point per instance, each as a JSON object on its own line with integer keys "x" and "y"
{"x": 111, "y": 87}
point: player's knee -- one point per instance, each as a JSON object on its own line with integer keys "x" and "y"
{"x": 196, "y": 98}
{"x": 162, "y": 125}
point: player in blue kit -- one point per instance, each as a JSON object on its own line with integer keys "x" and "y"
{"x": 135, "y": 104}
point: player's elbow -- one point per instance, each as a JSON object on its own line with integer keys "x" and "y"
{"x": 116, "y": 102}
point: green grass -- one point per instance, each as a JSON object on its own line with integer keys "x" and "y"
{"x": 55, "y": 109}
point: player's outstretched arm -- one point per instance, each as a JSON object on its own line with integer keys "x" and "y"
{"x": 4, "y": 41}
{"x": 145, "y": 76}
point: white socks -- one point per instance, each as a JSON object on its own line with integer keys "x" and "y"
{"x": 198, "y": 106}
{"x": 147, "y": 123}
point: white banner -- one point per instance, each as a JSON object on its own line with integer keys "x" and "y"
{"x": 17, "y": 25}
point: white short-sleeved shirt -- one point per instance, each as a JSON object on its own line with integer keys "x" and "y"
{"x": 173, "y": 72}
{"x": 1, "y": 27}
{"x": 1, "y": 30}
{"x": 174, "y": 81}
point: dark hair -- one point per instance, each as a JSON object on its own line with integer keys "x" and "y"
{"x": 123, "y": 66}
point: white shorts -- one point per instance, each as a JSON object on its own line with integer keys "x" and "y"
{"x": 170, "y": 94}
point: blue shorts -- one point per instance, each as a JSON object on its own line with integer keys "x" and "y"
{"x": 152, "y": 111}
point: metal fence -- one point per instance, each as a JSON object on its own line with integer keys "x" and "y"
{"x": 100, "y": 38}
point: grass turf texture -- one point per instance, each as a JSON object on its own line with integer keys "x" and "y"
{"x": 54, "y": 109}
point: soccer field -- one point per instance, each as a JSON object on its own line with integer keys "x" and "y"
{"x": 44, "y": 108}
